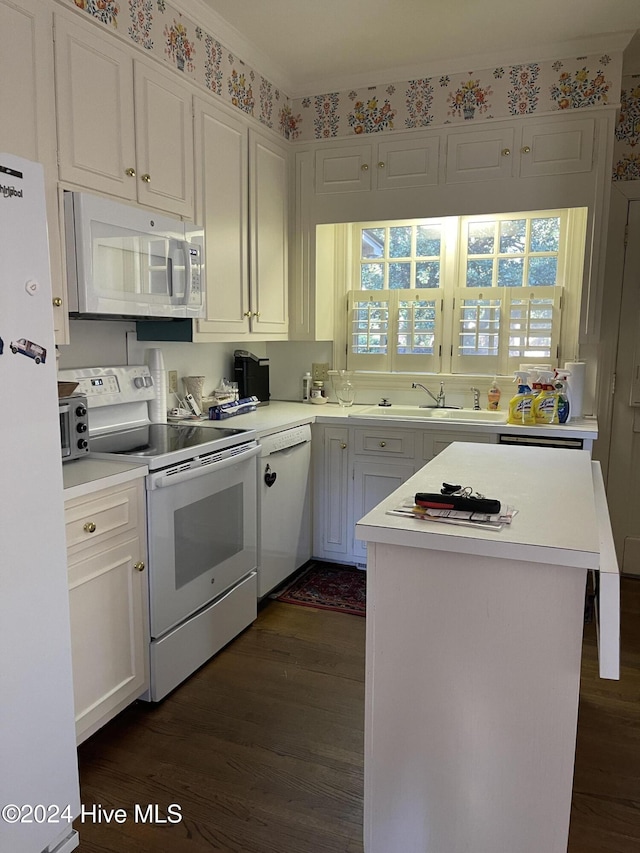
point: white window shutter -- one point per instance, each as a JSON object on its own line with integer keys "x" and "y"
{"x": 532, "y": 326}
{"x": 417, "y": 341}
{"x": 368, "y": 330}
{"x": 476, "y": 330}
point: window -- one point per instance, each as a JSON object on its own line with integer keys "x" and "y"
{"x": 467, "y": 295}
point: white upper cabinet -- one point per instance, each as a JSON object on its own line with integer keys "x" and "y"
{"x": 528, "y": 149}
{"x": 28, "y": 127}
{"x": 124, "y": 126}
{"x": 241, "y": 177}
{"x": 393, "y": 164}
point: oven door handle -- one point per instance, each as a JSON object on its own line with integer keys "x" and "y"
{"x": 171, "y": 478}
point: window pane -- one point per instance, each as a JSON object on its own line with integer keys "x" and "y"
{"x": 399, "y": 276}
{"x": 545, "y": 234}
{"x": 480, "y": 273}
{"x": 428, "y": 239}
{"x": 371, "y": 276}
{"x": 513, "y": 234}
{"x": 542, "y": 271}
{"x": 400, "y": 242}
{"x": 373, "y": 242}
{"x": 510, "y": 272}
{"x": 481, "y": 238}
{"x": 428, "y": 274}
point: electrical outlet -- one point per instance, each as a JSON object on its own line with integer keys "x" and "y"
{"x": 172, "y": 381}
{"x": 320, "y": 371}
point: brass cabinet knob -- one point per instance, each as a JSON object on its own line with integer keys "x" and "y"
{"x": 146, "y": 179}
{"x": 57, "y": 302}
{"x": 383, "y": 444}
{"x": 526, "y": 149}
{"x": 365, "y": 167}
{"x": 139, "y": 566}
{"x": 380, "y": 164}
{"x": 343, "y": 446}
{"x": 506, "y": 152}
{"x": 130, "y": 173}
{"x": 256, "y": 313}
{"x": 89, "y": 527}
{"x": 247, "y": 314}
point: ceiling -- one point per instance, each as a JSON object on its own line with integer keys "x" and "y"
{"x": 308, "y": 47}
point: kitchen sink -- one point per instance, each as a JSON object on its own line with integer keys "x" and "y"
{"x": 415, "y": 413}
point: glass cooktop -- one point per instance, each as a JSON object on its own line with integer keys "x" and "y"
{"x": 167, "y": 442}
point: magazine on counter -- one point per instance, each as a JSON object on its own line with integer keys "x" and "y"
{"x": 483, "y": 520}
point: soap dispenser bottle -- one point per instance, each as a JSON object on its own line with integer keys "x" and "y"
{"x": 493, "y": 396}
{"x": 545, "y": 405}
{"x": 521, "y": 404}
{"x": 561, "y": 384}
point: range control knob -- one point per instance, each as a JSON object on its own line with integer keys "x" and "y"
{"x": 139, "y": 382}
{"x": 81, "y": 427}
{"x": 81, "y": 411}
{"x": 82, "y": 443}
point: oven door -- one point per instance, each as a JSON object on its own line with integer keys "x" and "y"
{"x": 202, "y": 531}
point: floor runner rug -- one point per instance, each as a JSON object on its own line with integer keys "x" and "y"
{"x": 328, "y": 586}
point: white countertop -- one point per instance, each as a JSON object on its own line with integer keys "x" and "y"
{"x": 84, "y": 476}
{"x": 551, "y": 489}
{"x": 279, "y": 415}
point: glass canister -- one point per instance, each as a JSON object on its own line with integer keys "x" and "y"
{"x": 343, "y": 387}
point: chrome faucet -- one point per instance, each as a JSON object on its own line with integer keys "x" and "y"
{"x": 439, "y": 400}
{"x": 476, "y": 399}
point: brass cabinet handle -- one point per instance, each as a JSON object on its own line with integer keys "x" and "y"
{"x": 89, "y": 527}
{"x": 380, "y": 165}
{"x": 247, "y": 314}
{"x": 343, "y": 446}
{"x": 506, "y": 152}
{"x": 57, "y": 301}
{"x": 139, "y": 566}
{"x": 526, "y": 150}
{"x": 256, "y": 313}
{"x": 130, "y": 173}
{"x": 146, "y": 179}
{"x": 383, "y": 444}
{"x": 364, "y": 167}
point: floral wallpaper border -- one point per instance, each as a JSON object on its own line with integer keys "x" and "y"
{"x": 626, "y": 150}
{"x": 518, "y": 90}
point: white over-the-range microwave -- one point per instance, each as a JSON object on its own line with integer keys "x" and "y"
{"x": 123, "y": 261}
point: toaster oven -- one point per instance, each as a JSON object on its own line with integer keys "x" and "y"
{"x": 74, "y": 427}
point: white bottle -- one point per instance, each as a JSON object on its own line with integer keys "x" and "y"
{"x": 306, "y": 387}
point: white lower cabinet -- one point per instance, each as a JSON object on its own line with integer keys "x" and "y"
{"x": 106, "y": 555}
{"x": 354, "y": 468}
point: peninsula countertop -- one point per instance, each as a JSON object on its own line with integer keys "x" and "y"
{"x": 552, "y": 490}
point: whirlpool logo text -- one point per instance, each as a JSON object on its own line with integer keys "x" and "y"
{"x": 10, "y": 192}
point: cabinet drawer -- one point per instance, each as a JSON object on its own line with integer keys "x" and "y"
{"x": 384, "y": 442}
{"x": 90, "y": 521}
{"x": 435, "y": 442}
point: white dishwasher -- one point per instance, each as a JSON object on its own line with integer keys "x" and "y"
{"x": 284, "y": 528}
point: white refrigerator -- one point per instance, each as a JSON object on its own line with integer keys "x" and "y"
{"x": 39, "y": 793}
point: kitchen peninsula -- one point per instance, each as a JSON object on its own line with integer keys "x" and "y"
{"x": 473, "y": 654}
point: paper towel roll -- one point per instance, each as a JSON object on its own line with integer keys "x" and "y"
{"x": 576, "y": 386}
{"x": 157, "y": 406}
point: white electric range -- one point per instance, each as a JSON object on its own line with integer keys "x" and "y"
{"x": 201, "y": 518}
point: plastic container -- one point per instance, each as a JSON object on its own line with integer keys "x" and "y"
{"x": 561, "y": 384}
{"x": 493, "y": 396}
{"x": 306, "y": 387}
{"x": 545, "y": 405}
{"x": 521, "y": 404}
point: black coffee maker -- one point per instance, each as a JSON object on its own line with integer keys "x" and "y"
{"x": 252, "y": 375}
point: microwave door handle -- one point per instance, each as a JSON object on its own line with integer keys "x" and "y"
{"x": 188, "y": 269}
{"x": 173, "y": 291}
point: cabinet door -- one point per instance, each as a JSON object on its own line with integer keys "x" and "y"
{"x": 269, "y": 237}
{"x": 436, "y": 442}
{"x": 109, "y": 633}
{"x": 408, "y": 163}
{"x": 480, "y": 155}
{"x": 221, "y": 148}
{"x": 28, "y": 127}
{"x": 372, "y": 483}
{"x": 557, "y": 148}
{"x": 332, "y": 538}
{"x": 94, "y": 91}
{"x": 341, "y": 170}
{"x": 164, "y": 141}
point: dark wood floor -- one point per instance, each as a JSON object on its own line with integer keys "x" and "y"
{"x": 262, "y": 748}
